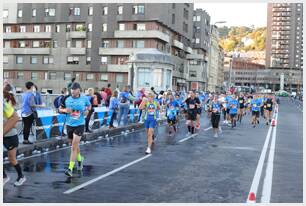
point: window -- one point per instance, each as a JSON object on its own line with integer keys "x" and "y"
{"x": 33, "y": 60}
{"x": 141, "y": 27}
{"x": 35, "y": 44}
{"x": 90, "y": 11}
{"x": 105, "y": 10}
{"x": 79, "y": 27}
{"x": 105, "y": 44}
{"x": 144, "y": 76}
{"x": 47, "y": 28}
{"x": 104, "y": 60}
{"x": 21, "y": 44}
{"x": 52, "y": 75}
{"x": 138, "y": 43}
{"x": 7, "y": 44}
{"x": 5, "y": 59}
{"x": 77, "y": 11}
{"x": 173, "y": 18}
{"x": 67, "y": 76}
{"x": 120, "y": 44}
{"x": 89, "y": 27}
{"x": 19, "y": 13}
{"x": 6, "y": 75}
{"x": 186, "y": 13}
{"x": 88, "y": 60}
{"x": 5, "y": 13}
{"x": 33, "y": 12}
{"x": 36, "y": 28}
{"x": 89, "y": 44}
{"x": 78, "y": 44}
{"x": 19, "y": 75}
{"x": 90, "y": 76}
{"x": 57, "y": 28}
{"x": 198, "y": 18}
{"x": 55, "y": 44}
{"x": 121, "y": 27}
{"x": 22, "y": 29}
{"x": 197, "y": 40}
{"x": 49, "y": 12}
{"x": 104, "y": 27}
{"x": 157, "y": 77}
{"x": 120, "y": 10}
{"x": 68, "y": 44}
{"x": 139, "y": 9}
{"x": 34, "y": 75}
{"x": 73, "y": 60}
{"x": 68, "y": 27}
{"x": 48, "y": 60}
{"x": 8, "y": 29}
{"x": 173, "y": 6}
{"x": 104, "y": 77}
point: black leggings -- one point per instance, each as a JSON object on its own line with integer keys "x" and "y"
{"x": 88, "y": 119}
{"x": 215, "y": 119}
{"x": 27, "y": 124}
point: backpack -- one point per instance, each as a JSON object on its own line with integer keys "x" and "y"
{"x": 57, "y": 101}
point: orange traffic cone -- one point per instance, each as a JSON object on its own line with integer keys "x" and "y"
{"x": 252, "y": 198}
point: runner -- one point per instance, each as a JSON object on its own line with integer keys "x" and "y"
{"x": 171, "y": 111}
{"x": 193, "y": 103}
{"x": 255, "y": 105}
{"x": 228, "y": 98}
{"x": 241, "y": 102}
{"x": 233, "y": 110}
{"x": 268, "y": 109}
{"x": 150, "y": 106}
{"x": 215, "y": 116}
{"x": 199, "y": 111}
{"x": 76, "y": 106}
{"x": 10, "y": 142}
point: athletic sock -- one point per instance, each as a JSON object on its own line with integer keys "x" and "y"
{"x": 189, "y": 128}
{"x": 18, "y": 170}
{"x": 71, "y": 165}
{"x": 192, "y": 130}
{"x": 79, "y": 157}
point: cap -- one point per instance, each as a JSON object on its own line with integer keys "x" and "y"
{"x": 75, "y": 85}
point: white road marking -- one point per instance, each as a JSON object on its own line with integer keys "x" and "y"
{"x": 257, "y": 175}
{"x": 187, "y": 138}
{"x": 208, "y": 128}
{"x": 237, "y": 148}
{"x": 267, "y": 185}
{"x": 105, "y": 175}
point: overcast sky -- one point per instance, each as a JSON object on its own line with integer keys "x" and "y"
{"x": 236, "y": 14}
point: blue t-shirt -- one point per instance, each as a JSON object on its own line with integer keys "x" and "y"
{"x": 173, "y": 103}
{"x": 78, "y": 107}
{"x": 27, "y": 102}
{"x": 124, "y": 97}
{"x": 233, "y": 106}
{"x": 114, "y": 103}
{"x": 228, "y": 99}
{"x": 255, "y": 105}
{"x": 171, "y": 112}
{"x": 216, "y": 106}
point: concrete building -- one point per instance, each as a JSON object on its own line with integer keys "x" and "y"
{"x": 51, "y": 43}
{"x": 220, "y": 76}
{"x": 198, "y": 60}
{"x": 213, "y": 62}
{"x": 284, "y": 44}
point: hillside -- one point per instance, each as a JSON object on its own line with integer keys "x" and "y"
{"x": 242, "y": 38}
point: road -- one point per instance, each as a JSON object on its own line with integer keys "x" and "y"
{"x": 202, "y": 169}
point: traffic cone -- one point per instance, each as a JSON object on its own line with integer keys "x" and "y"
{"x": 252, "y": 198}
{"x": 273, "y": 123}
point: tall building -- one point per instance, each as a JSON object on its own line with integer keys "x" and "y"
{"x": 220, "y": 76}
{"x": 198, "y": 60}
{"x": 51, "y": 43}
{"x": 284, "y": 45}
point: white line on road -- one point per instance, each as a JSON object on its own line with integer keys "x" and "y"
{"x": 105, "y": 175}
{"x": 256, "y": 179}
{"x": 267, "y": 185}
{"x": 193, "y": 135}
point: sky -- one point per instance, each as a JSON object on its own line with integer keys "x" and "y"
{"x": 236, "y": 14}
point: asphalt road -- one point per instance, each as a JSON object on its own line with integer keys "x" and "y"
{"x": 202, "y": 169}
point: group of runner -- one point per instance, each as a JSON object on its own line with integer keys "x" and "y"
{"x": 176, "y": 106}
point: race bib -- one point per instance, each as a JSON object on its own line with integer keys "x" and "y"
{"x": 151, "y": 109}
{"x": 268, "y": 105}
{"x": 254, "y": 105}
{"x": 76, "y": 114}
{"x": 191, "y": 106}
{"x": 241, "y": 101}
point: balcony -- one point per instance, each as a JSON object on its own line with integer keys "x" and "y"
{"x": 119, "y": 51}
{"x": 178, "y": 44}
{"x": 188, "y": 50}
{"x": 76, "y": 35}
{"x": 26, "y": 51}
{"x": 142, "y": 34}
{"x": 27, "y": 35}
{"x": 194, "y": 56}
{"x": 76, "y": 51}
{"x": 118, "y": 68}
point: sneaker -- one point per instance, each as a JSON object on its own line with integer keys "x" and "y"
{"x": 220, "y": 130}
{"x": 254, "y": 126}
{"x": 27, "y": 142}
{"x": 80, "y": 164}
{"x": 148, "y": 151}
{"x": 267, "y": 123}
{"x": 189, "y": 133}
{"x": 216, "y": 135}
{"x": 20, "y": 181}
{"x": 6, "y": 180}
{"x": 68, "y": 172}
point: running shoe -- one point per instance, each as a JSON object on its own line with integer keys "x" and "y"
{"x": 6, "y": 180}
{"x": 148, "y": 151}
{"x": 80, "y": 164}
{"x": 68, "y": 172}
{"x": 20, "y": 181}
{"x": 216, "y": 135}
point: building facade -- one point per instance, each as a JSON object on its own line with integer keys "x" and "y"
{"x": 284, "y": 45}
{"x": 51, "y": 43}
